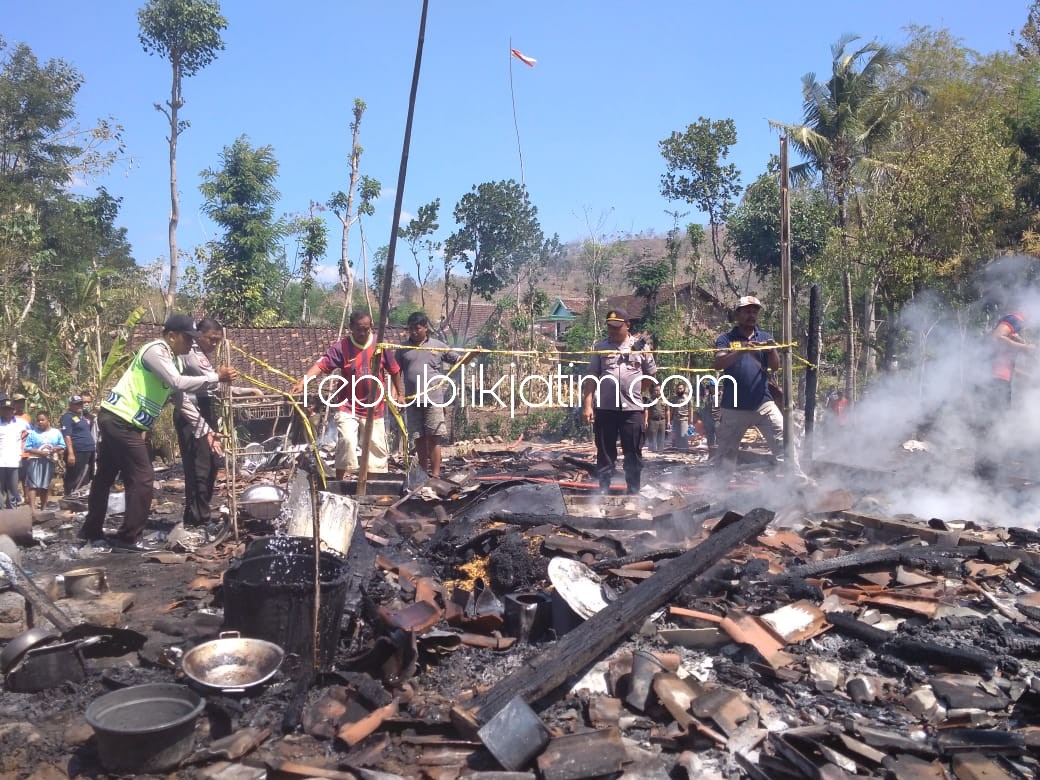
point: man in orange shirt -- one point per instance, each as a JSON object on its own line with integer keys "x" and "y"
{"x": 1008, "y": 346}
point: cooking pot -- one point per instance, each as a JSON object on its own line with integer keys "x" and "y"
{"x": 49, "y": 666}
{"x": 23, "y": 643}
{"x": 145, "y": 728}
{"x": 263, "y": 501}
{"x": 232, "y": 663}
{"x": 84, "y": 583}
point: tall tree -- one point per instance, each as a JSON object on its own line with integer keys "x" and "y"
{"x": 498, "y": 237}
{"x": 187, "y": 34}
{"x": 754, "y": 228}
{"x": 845, "y": 121}
{"x": 312, "y": 239}
{"x": 367, "y": 190}
{"x": 1028, "y": 44}
{"x": 42, "y": 147}
{"x": 418, "y": 235}
{"x": 243, "y": 273}
{"x": 697, "y": 173}
{"x": 648, "y": 275}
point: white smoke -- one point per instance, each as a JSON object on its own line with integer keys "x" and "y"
{"x": 943, "y": 395}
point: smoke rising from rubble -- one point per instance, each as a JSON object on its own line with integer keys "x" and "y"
{"x": 924, "y": 421}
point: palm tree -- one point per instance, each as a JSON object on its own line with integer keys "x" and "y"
{"x": 845, "y": 121}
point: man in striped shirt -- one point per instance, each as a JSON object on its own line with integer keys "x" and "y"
{"x": 354, "y": 391}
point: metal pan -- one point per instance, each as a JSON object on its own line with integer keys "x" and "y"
{"x": 232, "y": 663}
{"x": 23, "y": 643}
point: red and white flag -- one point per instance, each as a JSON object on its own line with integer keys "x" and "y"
{"x": 528, "y": 61}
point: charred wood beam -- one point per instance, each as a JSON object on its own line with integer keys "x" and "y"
{"x": 527, "y": 520}
{"x": 656, "y": 555}
{"x": 581, "y": 464}
{"x": 293, "y": 715}
{"x": 913, "y": 650}
{"x": 586, "y": 644}
{"x": 917, "y": 556}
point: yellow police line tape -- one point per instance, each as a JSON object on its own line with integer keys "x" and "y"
{"x": 395, "y": 410}
{"x": 307, "y": 427}
{"x": 299, "y": 409}
{"x": 803, "y": 362}
{"x": 559, "y": 353}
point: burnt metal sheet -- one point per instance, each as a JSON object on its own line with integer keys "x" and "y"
{"x": 577, "y": 756}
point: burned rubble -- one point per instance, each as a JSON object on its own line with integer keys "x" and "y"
{"x": 504, "y": 622}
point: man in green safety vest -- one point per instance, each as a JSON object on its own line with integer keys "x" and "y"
{"x": 126, "y": 416}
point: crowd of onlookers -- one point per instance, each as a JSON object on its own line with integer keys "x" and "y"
{"x": 33, "y": 450}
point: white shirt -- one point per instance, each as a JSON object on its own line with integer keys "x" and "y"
{"x": 11, "y": 442}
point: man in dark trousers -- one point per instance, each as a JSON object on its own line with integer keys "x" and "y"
{"x": 744, "y": 357}
{"x": 78, "y": 429}
{"x": 612, "y": 400}
{"x": 126, "y": 417}
{"x": 195, "y": 419}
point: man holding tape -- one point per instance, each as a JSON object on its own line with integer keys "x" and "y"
{"x": 353, "y": 391}
{"x": 745, "y": 355}
{"x": 423, "y": 361}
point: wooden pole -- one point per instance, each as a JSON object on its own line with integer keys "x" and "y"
{"x": 231, "y": 450}
{"x": 785, "y": 304}
{"x": 812, "y": 374}
{"x": 388, "y": 272}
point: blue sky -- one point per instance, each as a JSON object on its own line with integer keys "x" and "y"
{"x": 612, "y": 80}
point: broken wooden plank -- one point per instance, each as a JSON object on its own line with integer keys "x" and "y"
{"x": 584, "y": 645}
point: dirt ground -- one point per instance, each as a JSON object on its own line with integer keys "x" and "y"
{"x": 389, "y": 664}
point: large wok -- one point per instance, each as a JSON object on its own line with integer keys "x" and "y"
{"x": 232, "y": 663}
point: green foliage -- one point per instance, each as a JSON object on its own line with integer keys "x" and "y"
{"x": 58, "y": 252}
{"x": 846, "y": 118}
{"x": 312, "y": 239}
{"x": 242, "y": 275}
{"x": 184, "y": 32}
{"x": 417, "y": 234}
{"x": 117, "y": 359}
{"x": 696, "y": 172}
{"x": 647, "y": 276}
{"x": 494, "y": 426}
{"x": 1028, "y": 44}
{"x": 498, "y": 235}
{"x": 400, "y": 313}
{"x": 754, "y": 228}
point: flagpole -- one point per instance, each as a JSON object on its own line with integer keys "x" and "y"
{"x": 516, "y": 125}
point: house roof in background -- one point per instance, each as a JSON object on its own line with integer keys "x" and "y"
{"x": 479, "y": 313}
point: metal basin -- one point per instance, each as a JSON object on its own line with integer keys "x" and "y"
{"x": 145, "y": 728}
{"x": 232, "y": 663}
{"x": 262, "y": 502}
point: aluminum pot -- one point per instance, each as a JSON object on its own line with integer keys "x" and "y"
{"x": 145, "y": 728}
{"x": 262, "y": 501}
{"x": 23, "y": 643}
{"x": 49, "y": 666}
{"x": 232, "y": 663}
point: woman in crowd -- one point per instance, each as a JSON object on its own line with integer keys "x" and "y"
{"x": 44, "y": 447}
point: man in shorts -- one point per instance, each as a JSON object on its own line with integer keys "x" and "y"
{"x": 423, "y": 360}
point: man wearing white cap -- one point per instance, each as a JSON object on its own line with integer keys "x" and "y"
{"x": 746, "y": 400}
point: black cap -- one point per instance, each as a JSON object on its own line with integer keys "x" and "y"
{"x": 617, "y": 316}
{"x": 181, "y": 323}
